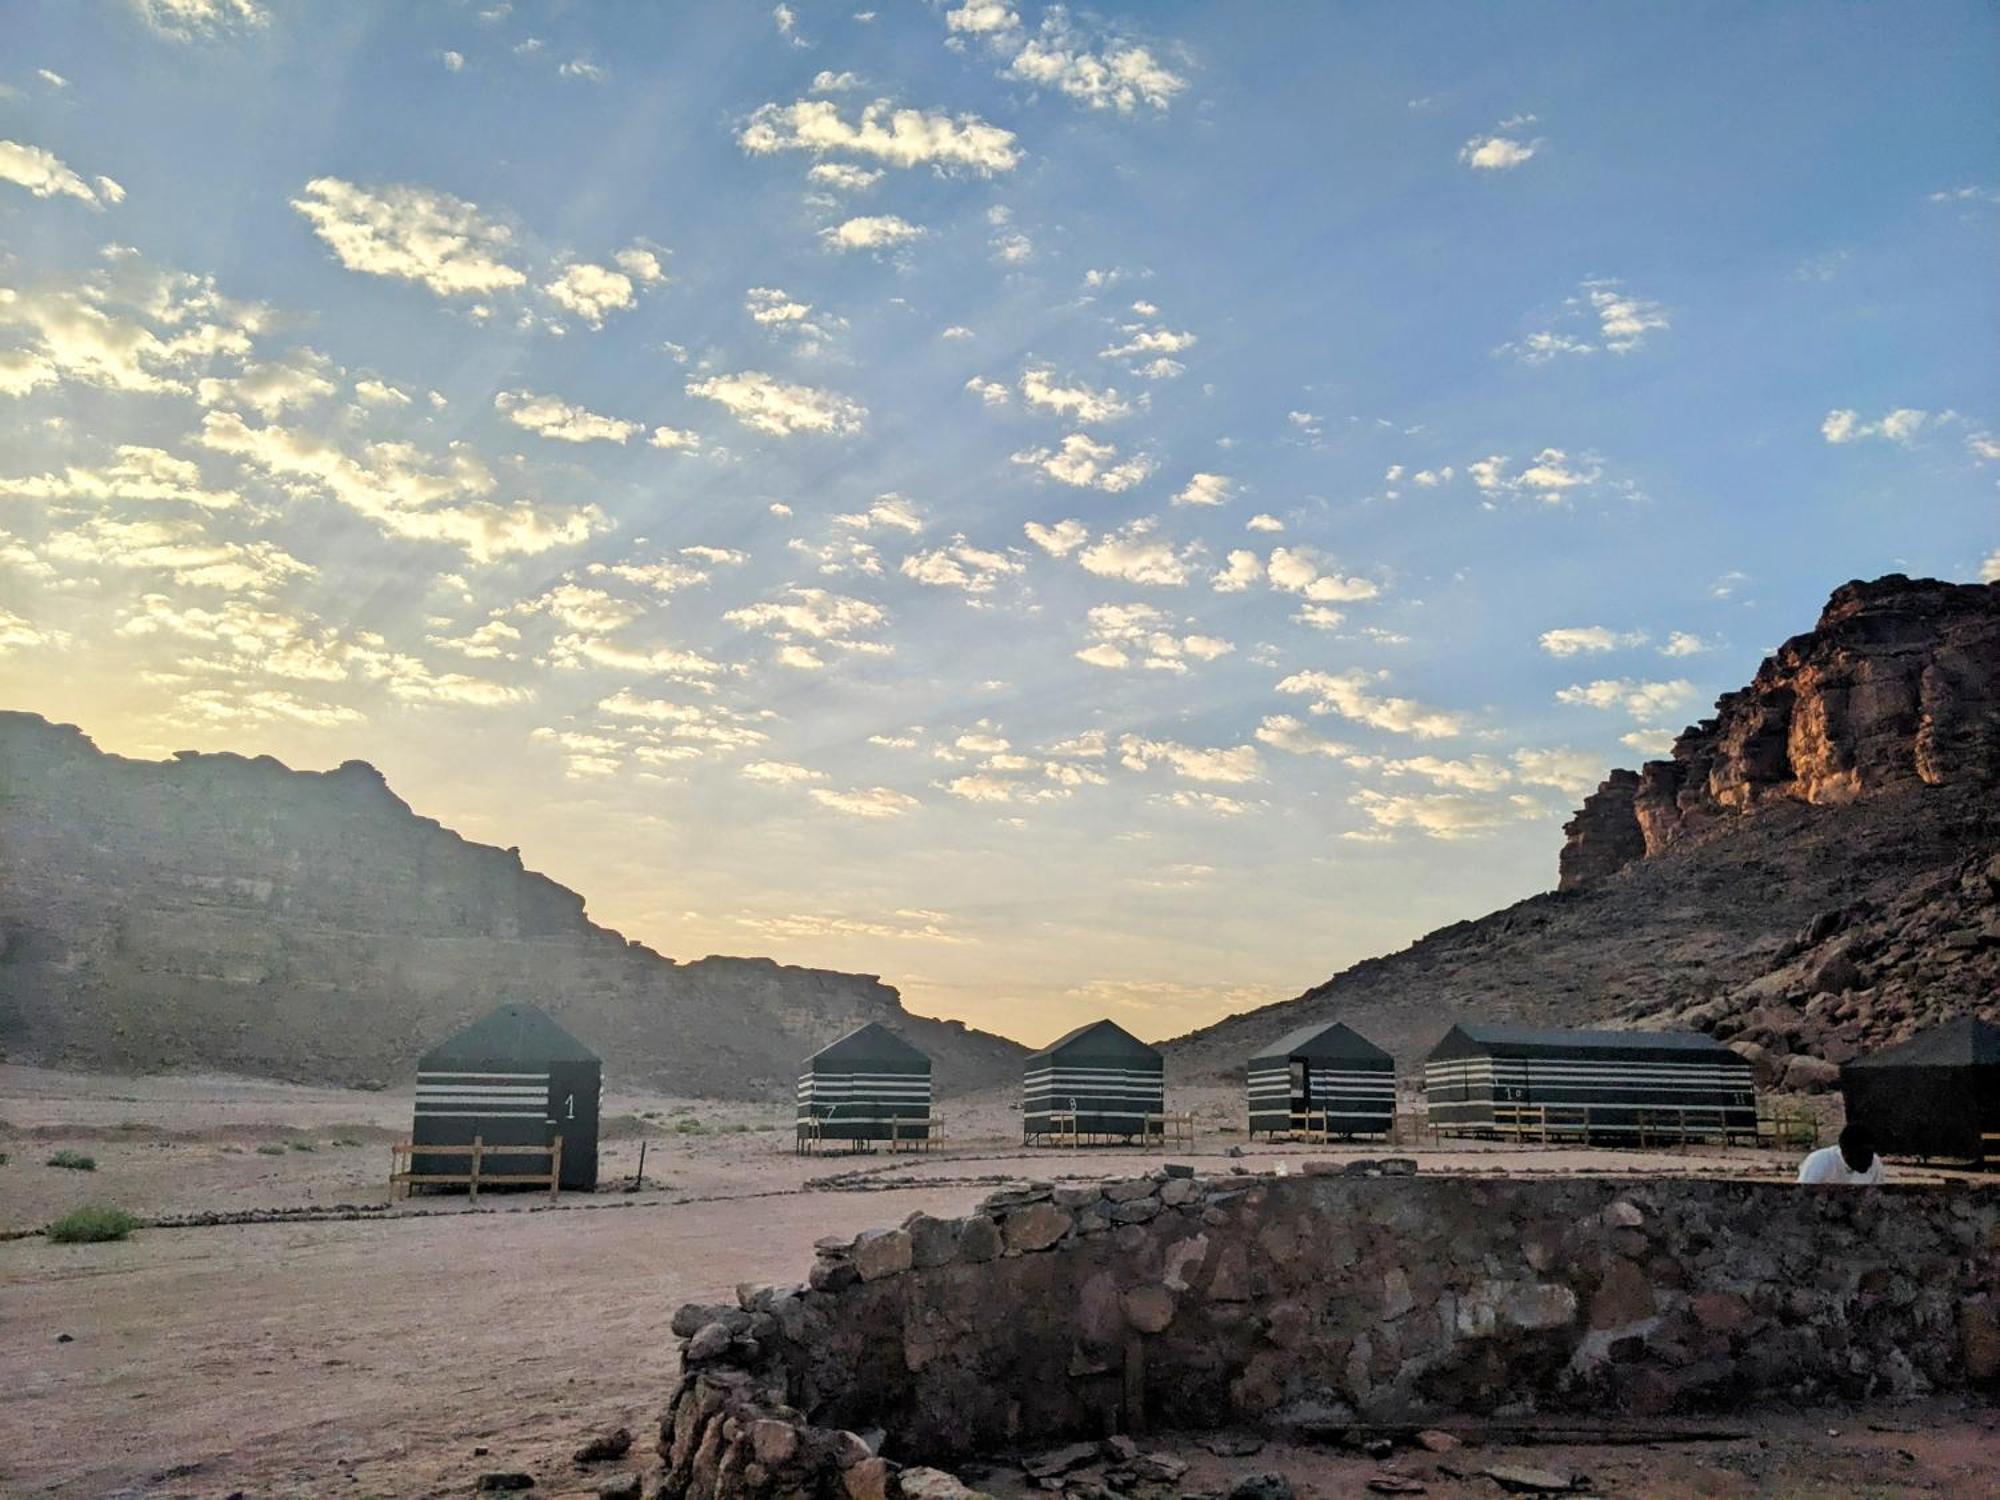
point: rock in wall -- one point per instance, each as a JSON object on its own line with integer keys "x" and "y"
{"x": 1897, "y": 686}
{"x": 1057, "y": 1313}
{"x": 222, "y": 912}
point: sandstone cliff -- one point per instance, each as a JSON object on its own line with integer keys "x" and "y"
{"x": 1815, "y": 873}
{"x": 1897, "y": 686}
{"x": 220, "y": 912}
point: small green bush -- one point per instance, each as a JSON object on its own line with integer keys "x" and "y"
{"x": 303, "y": 1146}
{"x": 345, "y": 1142}
{"x": 92, "y": 1224}
{"x": 270, "y": 1150}
{"x": 73, "y": 1161}
{"x": 688, "y": 1127}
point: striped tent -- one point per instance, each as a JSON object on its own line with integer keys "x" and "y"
{"x": 1103, "y": 1075}
{"x": 512, "y": 1078}
{"x": 857, "y": 1088}
{"x": 1323, "y": 1078}
{"x": 1613, "y": 1087}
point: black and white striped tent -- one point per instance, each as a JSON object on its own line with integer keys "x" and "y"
{"x": 1323, "y": 1078}
{"x": 512, "y": 1078}
{"x": 1103, "y": 1075}
{"x": 864, "y": 1087}
{"x": 1615, "y": 1087}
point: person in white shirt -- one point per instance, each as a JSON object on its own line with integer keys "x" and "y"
{"x": 1853, "y": 1163}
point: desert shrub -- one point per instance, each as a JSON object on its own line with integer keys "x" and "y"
{"x": 92, "y": 1224}
{"x": 302, "y": 1146}
{"x": 688, "y": 1127}
{"x": 269, "y": 1149}
{"x": 73, "y": 1161}
{"x": 345, "y": 1142}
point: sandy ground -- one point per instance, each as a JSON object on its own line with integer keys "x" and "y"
{"x": 373, "y": 1357}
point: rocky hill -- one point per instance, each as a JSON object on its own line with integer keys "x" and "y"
{"x": 1813, "y": 873}
{"x": 226, "y": 913}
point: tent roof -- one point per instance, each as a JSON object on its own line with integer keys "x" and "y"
{"x": 1331, "y": 1039}
{"x": 1964, "y": 1043}
{"x": 511, "y": 1033}
{"x": 1105, "y": 1038}
{"x": 1528, "y": 1040}
{"x": 871, "y": 1043}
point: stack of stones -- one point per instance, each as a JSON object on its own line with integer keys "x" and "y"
{"x": 1354, "y": 1292}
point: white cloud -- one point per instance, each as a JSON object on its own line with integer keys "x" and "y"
{"x": 1209, "y": 489}
{"x": 376, "y": 393}
{"x": 676, "y": 439}
{"x": 1294, "y": 737}
{"x": 578, "y": 67}
{"x": 1496, "y": 153}
{"x": 1082, "y": 461}
{"x": 1134, "y": 554}
{"x": 181, "y": 549}
{"x": 960, "y": 565}
{"x": 991, "y": 392}
{"x": 1682, "y": 643}
{"x": 843, "y": 177}
{"x": 454, "y": 62}
{"x": 303, "y": 377}
{"x": 768, "y": 404}
{"x": 1302, "y": 571}
{"x": 403, "y": 492}
{"x": 1624, "y": 320}
{"x": 898, "y": 137}
{"x": 186, "y": 20}
{"x": 1102, "y": 73}
{"x": 1575, "y": 640}
{"x": 779, "y": 773}
{"x": 1351, "y": 695}
{"x": 865, "y": 802}
{"x": 1242, "y": 569}
{"x": 1060, "y": 539}
{"x": 1125, "y": 633}
{"x": 1149, "y": 350}
{"x": 1576, "y": 772}
{"x": 412, "y": 234}
{"x": 593, "y": 292}
{"x": 17, "y": 634}
{"x": 132, "y": 331}
{"x": 1263, "y": 522}
{"x": 892, "y": 512}
{"x": 1649, "y": 741}
{"x": 1898, "y": 426}
{"x": 1549, "y": 477}
{"x": 1237, "y": 764}
{"x": 982, "y": 17}
{"x": 45, "y": 175}
{"x": 811, "y": 614}
{"x": 1642, "y": 700}
{"x": 871, "y": 232}
{"x": 1445, "y": 815}
{"x": 148, "y": 475}
{"x": 552, "y": 417}
{"x": 1079, "y": 402}
{"x": 826, "y": 81}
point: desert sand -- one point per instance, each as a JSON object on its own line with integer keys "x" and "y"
{"x": 373, "y": 1349}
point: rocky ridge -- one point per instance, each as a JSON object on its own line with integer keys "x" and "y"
{"x": 1814, "y": 873}
{"x": 222, "y": 912}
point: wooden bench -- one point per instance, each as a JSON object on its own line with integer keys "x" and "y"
{"x": 403, "y": 1176}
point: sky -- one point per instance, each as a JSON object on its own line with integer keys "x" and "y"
{"x": 1079, "y": 511}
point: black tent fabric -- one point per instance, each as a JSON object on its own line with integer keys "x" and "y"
{"x": 1618, "y": 1087}
{"x": 512, "y": 1078}
{"x": 1101, "y": 1073}
{"x": 1938, "y": 1094}
{"x": 870, "y": 1085}
{"x": 1326, "y": 1077}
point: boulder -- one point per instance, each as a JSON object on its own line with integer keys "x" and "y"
{"x": 1149, "y": 1308}
{"x": 1811, "y": 1075}
{"x": 933, "y": 1242}
{"x": 1036, "y": 1227}
{"x": 883, "y": 1252}
{"x": 979, "y": 1240}
{"x": 932, "y": 1484}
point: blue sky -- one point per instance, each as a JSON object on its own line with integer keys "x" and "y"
{"x": 1079, "y": 511}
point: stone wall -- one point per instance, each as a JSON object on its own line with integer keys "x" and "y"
{"x": 1058, "y": 1313}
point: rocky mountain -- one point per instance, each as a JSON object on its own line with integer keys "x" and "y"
{"x": 1813, "y": 873}
{"x": 227, "y": 913}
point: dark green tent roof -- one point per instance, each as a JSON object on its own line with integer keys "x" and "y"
{"x": 871, "y": 1044}
{"x": 1964, "y": 1043}
{"x": 1098, "y": 1039}
{"x": 1476, "y": 1040}
{"x": 1332, "y": 1041}
{"x": 511, "y": 1033}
